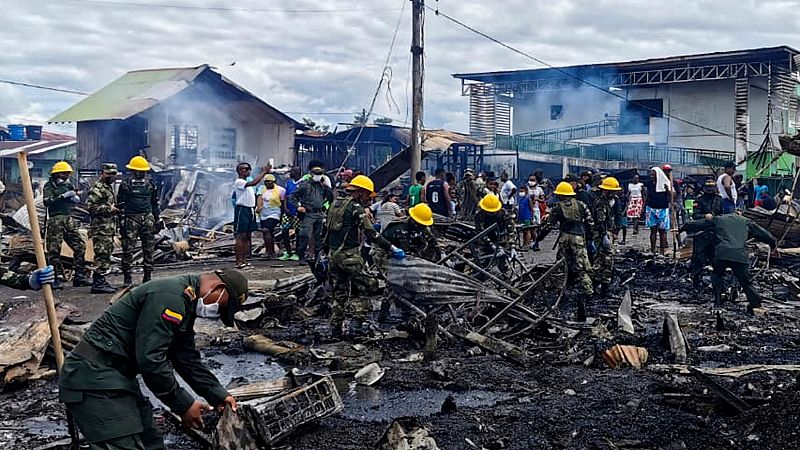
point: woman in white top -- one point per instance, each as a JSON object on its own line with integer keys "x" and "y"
{"x": 635, "y": 202}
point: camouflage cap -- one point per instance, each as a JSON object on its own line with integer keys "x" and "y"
{"x": 236, "y": 285}
{"x": 110, "y": 168}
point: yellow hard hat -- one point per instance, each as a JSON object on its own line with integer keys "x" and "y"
{"x": 610, "y": 184}
{"x": 138, "y": 163}
{"x": 490, "y": 203}
{"x": 363, "y": 182}
{"x": 422, "y": 214}
{"x": 61, "y": 166}
{"x": 564, "y": 188}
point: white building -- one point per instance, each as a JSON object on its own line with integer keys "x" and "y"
{"x": 687, "y": 110}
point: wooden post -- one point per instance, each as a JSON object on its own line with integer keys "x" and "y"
{"x": 41, "y": 261}
{"x": 417, "y": 70}
{"x": 431, "y": 328}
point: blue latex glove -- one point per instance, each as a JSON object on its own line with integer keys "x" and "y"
{"x": 398, "y": 253}
{"x": 606, "y": 243}
{"x": 591, "y": 247}
{"x": 39, "y": 277}
{"x": 75, "y": 198}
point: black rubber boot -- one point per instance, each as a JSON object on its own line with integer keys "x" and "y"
{"x": 101, "y": 286}
{"x": 383, "y": 315}
{"x": 580, "y": 315}
{"x": 58, "y": 284}
{"x": 127, "y": 281}
{"x": 81, "y": 280}
{"x": 146, "y": 277}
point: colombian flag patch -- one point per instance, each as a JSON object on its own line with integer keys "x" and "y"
{"x": 171, "y": 316}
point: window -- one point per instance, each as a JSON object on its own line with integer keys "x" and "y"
{"x": 556, "y": 112}
{"x": 634, "y": 115}
{"x": 184, "y": 144}
{"x": 223, "y": 145}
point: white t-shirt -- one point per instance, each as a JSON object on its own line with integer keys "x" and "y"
{"x": 635, "y": 190}
{"x": 245, "y": 195}
{"x": 271, "y": 199}
{"x": 505, "y": 193}
{"x": 536, "y": 193}
{"x": 721, "y": 188}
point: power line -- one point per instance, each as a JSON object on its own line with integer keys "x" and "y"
{"x": 233, "y": 9}
{"x": 46, "y": 88}
{"x": 575, "y": 77}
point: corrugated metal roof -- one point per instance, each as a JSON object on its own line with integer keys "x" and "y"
{"x": 11, "y": 148}
{"x": 131, "y": 94}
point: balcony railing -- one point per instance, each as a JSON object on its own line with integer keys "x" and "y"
{"x": 604, "y": 127}
{"x": 614, "y": 152}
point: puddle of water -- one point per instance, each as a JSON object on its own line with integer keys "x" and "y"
{"x": 44, "y": 426}
{"x": 374, "y": 405}
{"x": 251, "y": 366}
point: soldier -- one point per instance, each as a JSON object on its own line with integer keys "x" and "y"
{"x": 574, "y": 219}
{"x": 731, "y": 232}
{"x": 603, "y": 215}
{"x": 491, "y": 212}
{"x": 709, "y": 202}
{"x": 467, "y": 193}
{"x": 414, "y": 237}
{"x": 347, "y": 219}
{"x": 137, "y": 198}
{"x": 102, "y": 229}
{"x": 311, "y": 198}
{"x": 148, "y": 332}
{"x": 59, "y": 196}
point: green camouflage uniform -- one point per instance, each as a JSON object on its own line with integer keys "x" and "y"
{"x": 348, "y": 272}
{"x": 148, "y": 332}
{"x": 103, "y": 227}
{"x": 62, "y": 227}
{"x": 603, "y": 223}
{"x": 138, "y": 199}
{"x": 574, "y": 218}
{"x": 14, "y": 280}
{"x": 416, "y": 240}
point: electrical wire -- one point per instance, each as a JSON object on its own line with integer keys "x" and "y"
{"x": 46, "y": 88}
{"x": 234, "y": 9}
{"x": 575, "y": 77}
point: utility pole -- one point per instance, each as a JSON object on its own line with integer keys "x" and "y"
{"x": 417, "y": 69}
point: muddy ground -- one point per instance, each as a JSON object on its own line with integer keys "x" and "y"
{"x": 563, "y": 396}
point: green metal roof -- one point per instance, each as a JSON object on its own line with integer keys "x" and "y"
{"x": 131, "y": 94}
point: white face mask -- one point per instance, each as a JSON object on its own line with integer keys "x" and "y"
{"x": 317, "y": 178}
{"x": 531, "y": 183}
{"x": 208, "y": 311}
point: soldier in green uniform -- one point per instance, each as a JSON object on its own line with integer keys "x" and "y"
{"x": 59, "y": 196}
{"x": 414, "y": 237}
{"x": 137, "y": 198}
{"x": 311, "y": 197}
{"x": 574, "y": 219}
{"x": 709, "y": 202}
{"x": 603, "y": 215}
{"x": 730, "y": 233}
{"x": 491, "y": 212}
{"x": 347, "y": 219}
{"x": 148, "y": 332}
{"x": 103, "y": 208}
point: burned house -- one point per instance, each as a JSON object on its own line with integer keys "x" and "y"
{"x": 689, "y": 111}
{"x": 183, "y": 116}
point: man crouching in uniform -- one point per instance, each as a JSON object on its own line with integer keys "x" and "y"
{"x": 149, "y": 331}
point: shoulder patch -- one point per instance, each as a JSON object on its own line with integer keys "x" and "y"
{"x": 172, "y": 316}
{"x": 189, "y": 293}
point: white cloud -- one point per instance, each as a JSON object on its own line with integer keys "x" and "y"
{"x": 332, "y": 62}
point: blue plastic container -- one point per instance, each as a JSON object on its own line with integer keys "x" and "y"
{"x": 17, "y": 132}
{"x": 33, "y": 132}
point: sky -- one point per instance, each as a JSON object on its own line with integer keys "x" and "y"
{"x": 323, "y": 58}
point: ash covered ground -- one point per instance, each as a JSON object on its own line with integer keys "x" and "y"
{"x": 562, "y": 396}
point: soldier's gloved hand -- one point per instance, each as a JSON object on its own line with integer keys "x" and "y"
{"x": 398, "y": 253}
{"x": 75, "y": 198}
{"x": 606, "y": 243}
{"x": 39, "y": 277}
{"x": 69, "y": 194}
